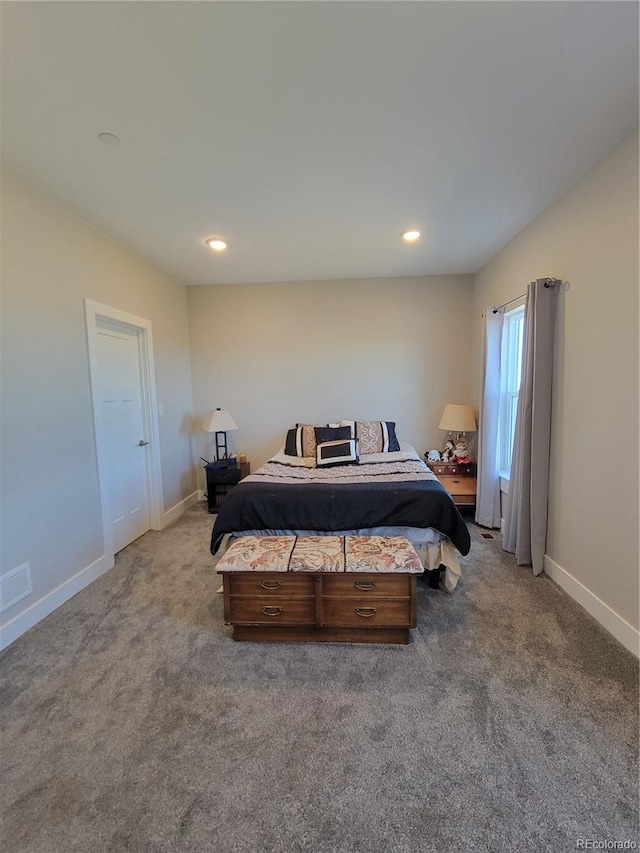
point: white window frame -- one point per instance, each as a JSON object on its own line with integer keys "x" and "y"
{"x": 510, "y": 377}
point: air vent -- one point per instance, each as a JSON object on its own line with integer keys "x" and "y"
{"x": 14, "y": 586}
{"x": 487, "y": 535}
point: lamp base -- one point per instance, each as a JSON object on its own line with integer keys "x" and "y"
{"x": 221, "y": 446}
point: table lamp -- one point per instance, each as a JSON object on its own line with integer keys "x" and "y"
{"x": 220, "y": 422}
{"x": 460, "y": 420}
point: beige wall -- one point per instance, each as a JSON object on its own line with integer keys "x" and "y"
{"x": 274, "y": 354}
{"x": 51, "y": 261}
{"x": 589, "y": 238}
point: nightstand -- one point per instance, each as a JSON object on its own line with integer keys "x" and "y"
{"x": 220, "y": 481}
{"x": 459, "y": 479}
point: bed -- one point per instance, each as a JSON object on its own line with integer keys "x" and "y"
{"x": 384, "y": 493}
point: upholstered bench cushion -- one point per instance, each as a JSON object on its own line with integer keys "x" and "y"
{"x": 381, "y": 554}
{"x": 258, "y": 554}
{"x": 318, "y": 554}
{"x": 321, "y": 554}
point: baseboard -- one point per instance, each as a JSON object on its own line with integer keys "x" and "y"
{"x": 176, "y": 511}
{"x": 608, "y": 618}
{"x": 21, "y": 623}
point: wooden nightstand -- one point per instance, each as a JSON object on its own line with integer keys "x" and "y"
{"x": 220, "y": 481}
{"x": 459, "y": 479}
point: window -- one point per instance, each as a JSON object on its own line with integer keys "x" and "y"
{"x": 510, "y": 374}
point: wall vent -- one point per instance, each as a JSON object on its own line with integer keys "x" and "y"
{"x": 14, "y": 586}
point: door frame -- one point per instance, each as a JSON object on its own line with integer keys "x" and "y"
{"x": 94, "y": 311}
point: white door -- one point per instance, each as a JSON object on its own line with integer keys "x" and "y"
{"x": 126, "y": 444}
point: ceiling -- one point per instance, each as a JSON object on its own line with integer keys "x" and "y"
{"x": 311, "y": 134}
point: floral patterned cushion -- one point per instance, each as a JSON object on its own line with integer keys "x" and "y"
{"x": 258, "y": 554}
{"x": 381, "y": 554}
{"x": 318, "y": 554}
{"x": 321, "y": 554}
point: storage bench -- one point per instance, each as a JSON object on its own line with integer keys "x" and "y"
{"x": 353, "y": 589}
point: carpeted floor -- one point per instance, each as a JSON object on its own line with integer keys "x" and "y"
{"x": 133, "y": 723}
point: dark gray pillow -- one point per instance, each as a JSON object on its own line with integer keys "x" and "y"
{"x": 332, "y": 453}
{"x": 331, "y": 434}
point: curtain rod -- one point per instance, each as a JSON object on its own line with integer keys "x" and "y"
{"x": 548, "y": 282}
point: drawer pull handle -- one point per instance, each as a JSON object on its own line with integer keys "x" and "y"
{"x": 365, "y": 585}
{"x": 366, "y": 612}
{"x": 271, "y": 584}
{"x": 272, "y": 611}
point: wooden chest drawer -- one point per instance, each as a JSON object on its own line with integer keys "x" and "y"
{"x": 465, "y": 468}
{"x": 363, "y": 612}
{"x": 348, "y": 607}
{"x": 271, "y": 610}
{"x": 461, "y": 489}
{"x": 443, "y": 469}
{"x": 288, "y": 584}
{"x": 366, "y": 584}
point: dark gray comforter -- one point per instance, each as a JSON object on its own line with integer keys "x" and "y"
{"x": 401, "y": 494}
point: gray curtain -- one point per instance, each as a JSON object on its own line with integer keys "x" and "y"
{"x": 525, "y": 527}
{"x": 488, "y": 491}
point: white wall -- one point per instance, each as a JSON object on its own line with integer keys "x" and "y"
{"x": 379, "y": 349}
{"x": 589, "y": 238}
{"x": 274, "y": 354}
{"x": 49, "y": 504}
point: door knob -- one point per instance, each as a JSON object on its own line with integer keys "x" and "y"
{"x": 142, "y": 443}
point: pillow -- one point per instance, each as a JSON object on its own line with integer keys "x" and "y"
{"x": 301, "y": 440}
{"x": 374, "y": 436}
{"x": 331, "y": 433}
{"x": 294, "y": 444}
{"x": 332, "y": 453}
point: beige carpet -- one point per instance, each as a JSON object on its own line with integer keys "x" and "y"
{"x": 131, "y": 722}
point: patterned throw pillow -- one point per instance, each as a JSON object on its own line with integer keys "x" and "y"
{"x": 331, "y": 434}
{"x": 301, "y": 440}
{"x": 374, "y": 436}
{"x": 294, "y": 444}
{"x": 332, "y": 453}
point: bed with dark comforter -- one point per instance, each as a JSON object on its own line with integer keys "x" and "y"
{"x": 390, "y": 492}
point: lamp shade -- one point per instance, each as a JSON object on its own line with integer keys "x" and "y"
{"x": 219, "y": 421}
{"x": 457, "y": 418}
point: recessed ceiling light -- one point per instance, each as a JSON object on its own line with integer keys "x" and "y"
{"x": 216, "y": 243}
{"x": 410, "y": 236}
{"x": 109, "y": 138}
